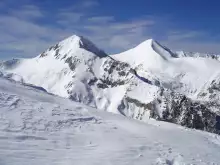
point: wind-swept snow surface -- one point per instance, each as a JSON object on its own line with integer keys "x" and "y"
{"x": 39, "y": 128}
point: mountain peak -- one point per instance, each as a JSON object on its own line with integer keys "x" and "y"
{"x": 71, "y": 45}
{"x": 82, "y": 42}
{"x": 146, "y": 43}
{"x": 149, "y": 43}
{"x": 91, "y": 47}
{"x": 156, "y": 47}
{"x": 148, "y": 54}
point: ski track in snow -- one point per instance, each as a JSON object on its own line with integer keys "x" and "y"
{"x": 38, "y": 128}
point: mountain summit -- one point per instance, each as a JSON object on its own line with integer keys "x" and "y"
{"x": 72, "y": 45}
{"x": 147, "y": 81}
{"x": 55, "y": 68}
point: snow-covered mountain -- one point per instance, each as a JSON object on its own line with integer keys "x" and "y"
{"x": 39, "y": 128}
{"x": 148, "y": 81}
{"x": 196, "y": 54}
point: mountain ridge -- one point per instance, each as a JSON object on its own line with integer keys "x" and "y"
{"x": 148, "y": 81}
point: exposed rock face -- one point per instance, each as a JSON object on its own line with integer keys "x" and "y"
{"x": 176, "y": 108}
{"x": 194, "y": 54}
{"x": 186, "y": 112}
{"x": 115, "y": 74}
{"x": 9, "y": 64}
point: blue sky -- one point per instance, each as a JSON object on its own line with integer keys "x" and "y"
{"x": 28, "y": 27}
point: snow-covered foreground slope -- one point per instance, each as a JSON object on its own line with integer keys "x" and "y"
{"x": 39, "y": 128}
{"x": 148, "y": 81}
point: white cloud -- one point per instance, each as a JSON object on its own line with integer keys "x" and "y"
{"x": 191, "y": 41}
{"x": 89, "y": 3}
{"x": 27, "y": 12}
{"x": 101, "y": 19}
{"x": 83, "y": 5}
{"x": 68, "y": 18}
{"x": 177, "y": 36}
{"x": 20, "y": 34}
{"x": 23, "y": 34}
{"x": 194, "y": 46}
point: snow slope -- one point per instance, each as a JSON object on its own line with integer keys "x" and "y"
{"x": 186, "y": 75}
{"x": 148, "y": 81}
{"x": 197, "y": 54}
{"x": 69, "y": 69}
{"x": 53, "y": 69}
{"x": 39, "y": 128}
